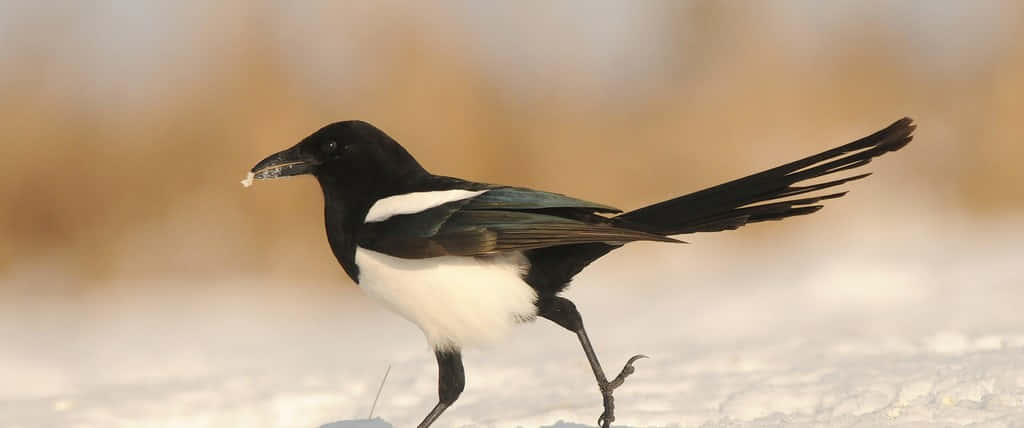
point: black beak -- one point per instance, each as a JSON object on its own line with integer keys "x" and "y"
{"x": 284, "y": 164}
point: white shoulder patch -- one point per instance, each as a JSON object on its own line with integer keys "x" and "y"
{"x": 415, "y": 202}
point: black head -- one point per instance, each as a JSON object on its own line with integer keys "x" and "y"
{"x": 356, "y": 164}
{"x": 351, "y": 153}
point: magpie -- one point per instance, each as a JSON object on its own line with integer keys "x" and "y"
{"x": 466, "y": 261}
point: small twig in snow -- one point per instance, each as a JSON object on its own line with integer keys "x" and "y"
{"x": 379, "y": 389}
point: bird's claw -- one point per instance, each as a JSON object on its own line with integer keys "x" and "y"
{"x": 627, "y": 370}
{"x": 606, "y": 418}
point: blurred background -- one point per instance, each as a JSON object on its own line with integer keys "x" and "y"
{"x": 130, "y": 255}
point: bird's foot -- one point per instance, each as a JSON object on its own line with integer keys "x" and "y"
{"x": 606, "y": 418}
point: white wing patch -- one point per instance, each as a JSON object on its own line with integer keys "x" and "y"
{"x": 415, "y": 202}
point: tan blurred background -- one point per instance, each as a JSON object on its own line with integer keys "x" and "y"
{"x": 127, "y": 125}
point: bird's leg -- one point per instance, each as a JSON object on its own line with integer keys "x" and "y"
{"x": 451, "y": 379}
{"x": 563, "y": 312}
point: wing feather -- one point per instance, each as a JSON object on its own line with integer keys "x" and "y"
{"x": 474, "y": 227}
{"x": 519, "y": 198}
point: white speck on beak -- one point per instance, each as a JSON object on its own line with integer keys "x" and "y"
{"x": 248, "y": 180}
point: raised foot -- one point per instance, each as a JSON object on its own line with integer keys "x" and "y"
{"x": 606, "y": 418}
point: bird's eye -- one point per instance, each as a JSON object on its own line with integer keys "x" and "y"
{"x": 330, "y": 147}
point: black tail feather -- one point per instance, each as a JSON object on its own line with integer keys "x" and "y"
{"x": 734, "y": 204}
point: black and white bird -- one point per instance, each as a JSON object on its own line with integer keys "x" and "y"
{"x": 467, "y": 261}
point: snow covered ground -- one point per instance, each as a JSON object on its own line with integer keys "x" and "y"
{"x": 916, "y": 327}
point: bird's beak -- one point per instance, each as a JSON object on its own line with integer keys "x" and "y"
{"x": 282, "y": 164}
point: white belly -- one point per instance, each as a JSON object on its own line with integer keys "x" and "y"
{"x": 456, "y": 301}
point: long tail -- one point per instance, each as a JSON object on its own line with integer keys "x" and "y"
{"x": 756, "y": 197}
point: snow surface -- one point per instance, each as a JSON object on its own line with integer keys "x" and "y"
{"x": 918, "y": 327}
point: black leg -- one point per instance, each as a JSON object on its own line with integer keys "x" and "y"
{"x": 451, "y": 379}
{"x": 563, "y": 312}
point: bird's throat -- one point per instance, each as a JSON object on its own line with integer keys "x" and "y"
{"x": 343, "y": 216}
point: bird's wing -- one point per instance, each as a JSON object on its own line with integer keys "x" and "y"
{"x": 502, "y": 219}
{"x": 518, "y": 198}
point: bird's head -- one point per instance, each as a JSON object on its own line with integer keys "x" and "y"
{"x": 351, "y": 153}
